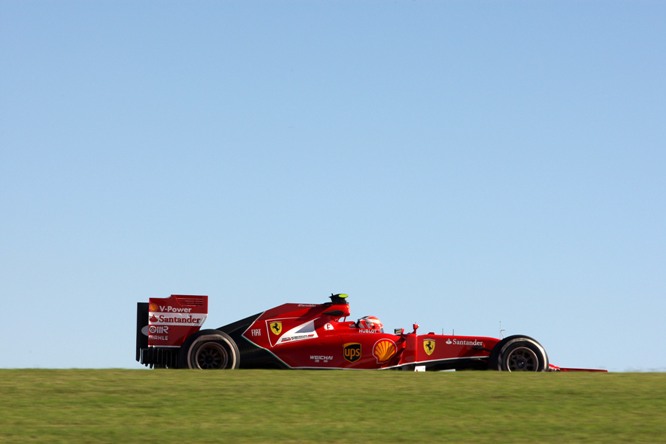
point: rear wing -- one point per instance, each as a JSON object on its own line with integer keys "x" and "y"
{"x": 165, "y": 323}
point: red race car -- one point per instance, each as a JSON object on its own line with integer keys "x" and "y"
{"x": 315, "y": 336}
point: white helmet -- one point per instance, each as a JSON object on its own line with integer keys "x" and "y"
{"x": 371, "y": 323}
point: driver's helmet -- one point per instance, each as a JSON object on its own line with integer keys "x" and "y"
{"x": 371, "y": 323}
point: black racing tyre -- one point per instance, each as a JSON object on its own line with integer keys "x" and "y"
{"x": 518, "y": 354}
{"x": 209, "y": 350}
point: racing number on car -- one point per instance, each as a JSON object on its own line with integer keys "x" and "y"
{"x": 276, "y": 327}
{"x": 429, "y": 346}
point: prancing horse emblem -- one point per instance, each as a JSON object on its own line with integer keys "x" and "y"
{"x": 276, "y": 327}
{"x": 429, "y": 346}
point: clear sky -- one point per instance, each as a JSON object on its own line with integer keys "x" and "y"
{"x": 467, "y": 165}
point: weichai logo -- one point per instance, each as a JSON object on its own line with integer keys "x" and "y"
{"x": 352, "y": 351}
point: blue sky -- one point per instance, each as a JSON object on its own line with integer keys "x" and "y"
{"x": 456, "y": 164}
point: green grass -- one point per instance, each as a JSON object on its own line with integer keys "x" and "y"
{"x": 329, "y": 406}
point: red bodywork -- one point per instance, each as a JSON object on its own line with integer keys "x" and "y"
{"x": 320, "y": 336}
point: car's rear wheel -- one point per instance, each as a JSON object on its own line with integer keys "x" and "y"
{"x": 209, "y": 350}
{"x": 518, "y": 354}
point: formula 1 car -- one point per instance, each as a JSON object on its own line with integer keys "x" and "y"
{"x": 315, "y": 336}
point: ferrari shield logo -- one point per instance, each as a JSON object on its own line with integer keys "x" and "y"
{"x": 429, "y": 346}
{"x": 276, "y": 327}
{"x": 352, "y": 351}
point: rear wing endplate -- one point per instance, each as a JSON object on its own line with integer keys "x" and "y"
{"x": 168, "y": 322}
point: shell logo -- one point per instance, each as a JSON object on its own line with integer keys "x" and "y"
{"x": 153, "y": 307}
{"x": 383, "y": 350}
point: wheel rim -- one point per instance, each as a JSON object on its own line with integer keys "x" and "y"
{"x": 522, "y": 359}
{"x": 211, "y": 356}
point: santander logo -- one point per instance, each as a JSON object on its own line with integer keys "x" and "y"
{"x": 170, "y": 315}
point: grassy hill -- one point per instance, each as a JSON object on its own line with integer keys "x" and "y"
{"x": 329, "y": 406}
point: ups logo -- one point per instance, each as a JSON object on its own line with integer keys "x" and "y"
{"x": 352, "y": 351}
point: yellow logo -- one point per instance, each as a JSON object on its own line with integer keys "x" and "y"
{"x": 429, "y": 346}
{"x": 276, "y": 327}
{"x": 352, "y": 351}
{"x": 384, "y": 350}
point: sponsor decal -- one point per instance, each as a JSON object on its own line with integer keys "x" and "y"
{"x": 292, "y": 338}
{"x": 175, "y": 316}
{"x": 158, "y": 332}
{"x": 171, "y": 320}
{"x": 158, "y": 329}
{"x": 177, "y": 319}
{"x": 255, "y": 332}
{"x": 383, "y": 350}
{"x": 168, "y": 308}
{"x": 467, "y": 342}
{"x": 328, "y": 326}
{"x": 351, "y": 351}
{"x": 321, "y": 359}
{"x": 298, "y": 333}
{"x": 276, "y": 327}
{"x": 365, "y": 330}
{"x": 429, "y": 346}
